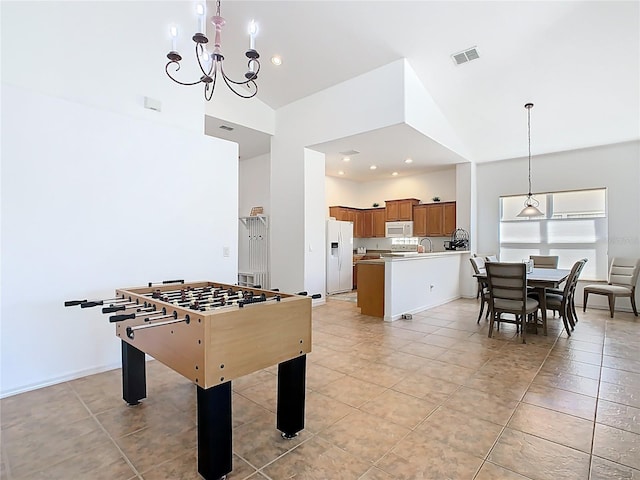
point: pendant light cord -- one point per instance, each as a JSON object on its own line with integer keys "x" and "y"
{"x": 528, "y": 106}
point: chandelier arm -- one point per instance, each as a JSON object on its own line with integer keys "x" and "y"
{"x": 201, "y": 48}
{"x": 166, "y": 69}
{"x": 212, "y": 85}
{"x": 246, "y": 82}
{"x": 229, "y": 83}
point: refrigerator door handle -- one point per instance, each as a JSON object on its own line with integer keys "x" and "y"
{"x": 339, "y": 250}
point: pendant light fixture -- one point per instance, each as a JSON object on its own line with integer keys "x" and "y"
{"x": 530, "y": 204}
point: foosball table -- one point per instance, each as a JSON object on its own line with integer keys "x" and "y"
{"x": 212, "y": 333}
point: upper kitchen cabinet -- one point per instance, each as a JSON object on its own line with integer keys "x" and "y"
{"x": 379, "y": 216}
{"x": 370, "y": 223}
{"x": 420, "y": 221}
{"x": 400, "y": 210}
{"x": 449, "y": 221}
{"x": 344, "y": 214}
{"x": 434, "y": 219}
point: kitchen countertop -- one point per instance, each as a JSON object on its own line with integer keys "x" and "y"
{"x": 394, "y": 257}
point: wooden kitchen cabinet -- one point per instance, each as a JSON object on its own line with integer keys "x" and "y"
{"x": 340, "y": 213}
{"x": 371, "y": 289}
{"x": 367, "y": 223}
{"x": 434, "y": 219}
{"x": 358, "y": 226}
{"x": 420, "y": 221}
{"x": 449, "y": 221}
{"x": 378, "y": 219}
{"x": 400, "y": 210}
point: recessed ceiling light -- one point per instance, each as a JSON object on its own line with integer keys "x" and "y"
{"x": 340, "y": 172}
{"x": 394, "y": 174}
{"x": 372, "y": 167}
{"x": 346, "y": 159}
{"x": 408, "y": 160}
{"x": 276, "y": 60}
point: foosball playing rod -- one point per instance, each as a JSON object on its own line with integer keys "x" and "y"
{"x": 240, "y": 302}
{"x": 129, "y": 316}
{"x": 193, "y": 291}
{"x": 131, "y": 330}
{"x": 165, "y": 282}
{"x": 118, "y": 308}
{"x": 189, "y": 296}
{"x": 203, "y": 306}
{"x": 205, "y": 296}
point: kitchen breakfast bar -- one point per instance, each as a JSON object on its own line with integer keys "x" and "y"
{"x": 401, "y": 284}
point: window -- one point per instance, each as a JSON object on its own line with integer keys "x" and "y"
{"x": 574, "y": 227}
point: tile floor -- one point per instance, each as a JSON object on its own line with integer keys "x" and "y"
{"x": 427, "y": 398}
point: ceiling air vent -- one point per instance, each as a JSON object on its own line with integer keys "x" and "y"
{"x": 349, "y": 153}
{"x": 465, "y": 56}
{"x": 227, "y": 128}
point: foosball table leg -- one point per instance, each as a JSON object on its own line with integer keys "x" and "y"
{"x": 291, "y": 396}
{"x": 215, "y": 443}
{"x": 134, "y": 382}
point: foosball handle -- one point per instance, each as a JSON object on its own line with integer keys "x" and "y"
{"x": 91, "y": 304}
{"x": 304, "y": 294}
{"x": 316, "y": 295}
{"x": 116, "y": 308}
{"x": 73, "y": 303}
{"x": 120, "y": 318}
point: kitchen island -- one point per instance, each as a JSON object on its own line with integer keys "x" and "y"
{"x": 400, "y": 284}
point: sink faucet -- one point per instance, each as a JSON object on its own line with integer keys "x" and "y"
{"x": 430, "y": 243}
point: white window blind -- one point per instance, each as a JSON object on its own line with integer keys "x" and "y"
{"x": 574, "y": 227}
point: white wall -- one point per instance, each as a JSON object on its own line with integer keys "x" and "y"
{"x": 342, "y": 110}
{"x": 93, "y": 201}
{"x": 423, "y": 114}
{"x": 315, "y": 261}
{"x": 616, "y": 167}
{"x": 341, "y": 192}
{"x": 98, "y": 192}
{"x": 424, "y": 187}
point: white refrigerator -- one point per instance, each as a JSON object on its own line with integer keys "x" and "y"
{"x": 339, "y": 256}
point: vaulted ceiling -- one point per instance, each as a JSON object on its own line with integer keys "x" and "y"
{"x": 577, "y": 61}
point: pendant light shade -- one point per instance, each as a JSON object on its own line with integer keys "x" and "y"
{"x": 530, "y": 204}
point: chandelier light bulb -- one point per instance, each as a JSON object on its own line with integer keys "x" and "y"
{"x": 201, "y": 13}
{"x": 173, "y": 32}
{"x": 253, "y": 31}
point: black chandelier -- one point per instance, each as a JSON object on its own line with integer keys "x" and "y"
{"x": 211, "y": 63}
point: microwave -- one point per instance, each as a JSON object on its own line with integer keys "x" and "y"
{"x": 398, "y": 229}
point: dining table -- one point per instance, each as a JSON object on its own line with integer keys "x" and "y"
{"x": 539, "y": 279}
